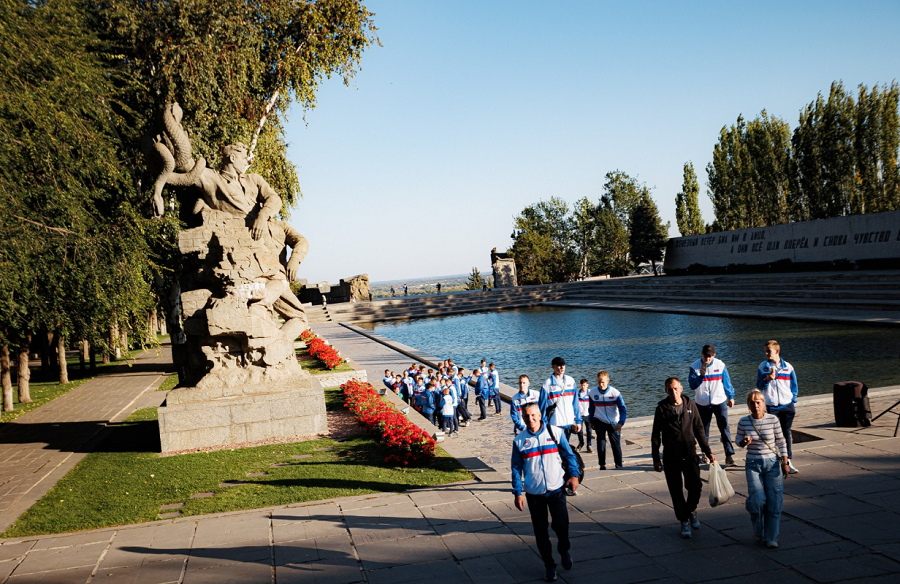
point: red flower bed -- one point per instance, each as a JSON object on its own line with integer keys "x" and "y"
{"x": 306, "y": 335}
{"x": 405, "y": 443}
{"x": 321, "y": 350}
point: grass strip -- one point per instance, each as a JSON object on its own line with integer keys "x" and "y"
{"x": 126, "y": 480}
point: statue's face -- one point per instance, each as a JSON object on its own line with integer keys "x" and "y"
{"x": 239, "y": 161}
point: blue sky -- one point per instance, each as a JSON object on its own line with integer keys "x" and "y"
{"x": 472, "y": 110}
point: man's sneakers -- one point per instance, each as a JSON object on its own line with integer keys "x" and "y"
{"x": 550, "y": 574}
{"x": 579, "y": 447}
{"x": 567, "y": 562}
{"x": 729, "y": 460}
{"x": 695, "y": 523}
{"x": 589, "y": 450}
{"x": 772, "y": 545}
{"x": 793, "y": 470}
{"x": 685, "y": 529}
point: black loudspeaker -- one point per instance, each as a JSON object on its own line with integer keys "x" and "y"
{"x": 851, "y": 404}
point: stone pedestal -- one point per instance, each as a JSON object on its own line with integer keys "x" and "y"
{"x": 211, "y": 417}
{"x": 239, "y": 320}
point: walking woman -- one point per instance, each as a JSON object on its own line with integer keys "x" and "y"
{"x": 766, "y": 466}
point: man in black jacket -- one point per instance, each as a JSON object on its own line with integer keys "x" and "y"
{"x": 678, "y": 427}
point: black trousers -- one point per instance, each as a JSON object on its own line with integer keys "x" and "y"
{"x": 555, "y": 504}
{"x": 688, "y": 468}
{"x": 480, "y": 401}
{"x": 786, "y": 418}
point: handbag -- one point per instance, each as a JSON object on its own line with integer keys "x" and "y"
{"x": 567, "y": 471}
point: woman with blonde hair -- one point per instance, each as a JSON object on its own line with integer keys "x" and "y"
{"x": 766, "y": 466}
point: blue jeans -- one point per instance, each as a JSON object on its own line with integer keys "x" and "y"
{"x": 721, "y": 413}
{"x": 765, "y": 487}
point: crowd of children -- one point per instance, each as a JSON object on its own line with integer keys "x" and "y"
{"x": 442, "y": 395}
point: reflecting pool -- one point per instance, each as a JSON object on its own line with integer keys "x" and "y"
{"x": 641, "y": 349}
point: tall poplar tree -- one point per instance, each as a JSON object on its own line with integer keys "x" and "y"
{"x": 687, "y": 204}
{"x": 648, "y": 236}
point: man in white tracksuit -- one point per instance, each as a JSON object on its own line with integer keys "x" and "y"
{"x": 559, "y": 399}
{"x": 713, "y": 394}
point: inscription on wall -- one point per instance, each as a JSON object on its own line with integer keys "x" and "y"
{"x": 855, "y": 238}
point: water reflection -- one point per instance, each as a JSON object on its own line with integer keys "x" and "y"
{"x": 641, "y": 349}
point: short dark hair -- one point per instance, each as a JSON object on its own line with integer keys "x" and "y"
{"x": 558, "y": 362}
{"x": 709, "y": 350}
{"x": 670, "y": 381}
{"x": 583, "y": 381}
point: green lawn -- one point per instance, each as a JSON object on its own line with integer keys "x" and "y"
{"x": 171, "y": 382}
{"x": 126, "y": 481}
{"x": 314, "y": 366}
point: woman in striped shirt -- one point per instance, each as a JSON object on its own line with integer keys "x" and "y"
{"x": 766, "y": 466}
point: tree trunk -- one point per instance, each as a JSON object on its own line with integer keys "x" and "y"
{"x": 93, "y": 354}
{"x": 24, "y": 378}
{"x": 114, "y": 341}
{"x": 51, "y": 350}
{"x": 83, "y": 355}
{"x": 61, "y": 353}
{"x": 6, "y": 379}
{"x": 123, "y": 341}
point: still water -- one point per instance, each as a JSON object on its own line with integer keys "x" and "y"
{"x": 641, "y": 349}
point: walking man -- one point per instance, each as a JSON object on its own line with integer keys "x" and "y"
{"x": 537, "y": 469}
{"x": 524, "y": 397}
{"x": 678, "y": 427}
{"x": 713, "y": 394}
{"x": 777, "y": 380}
{"x": 559, "y": 399}
{"x": 494, "y": 380}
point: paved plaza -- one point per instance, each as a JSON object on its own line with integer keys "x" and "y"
{"x": 840, "y": 523}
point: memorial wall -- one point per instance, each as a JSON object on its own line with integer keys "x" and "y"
{"x": 864, "y": 241}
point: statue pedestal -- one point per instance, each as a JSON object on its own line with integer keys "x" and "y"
{"x": 222, "y": 416}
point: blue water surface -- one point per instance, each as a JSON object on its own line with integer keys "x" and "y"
{"x": 641, "y": 349}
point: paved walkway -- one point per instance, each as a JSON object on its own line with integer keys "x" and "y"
{"x": 40, "y": 447}
{"x": 841, "y": 520}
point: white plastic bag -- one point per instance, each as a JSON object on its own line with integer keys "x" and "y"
{"x": 720, "y": 490}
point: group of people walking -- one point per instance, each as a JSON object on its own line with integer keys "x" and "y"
{"x": 545, "y": 468}
{"x": 442, "y": 395}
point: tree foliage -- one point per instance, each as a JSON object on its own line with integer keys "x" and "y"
{"x": 841, "y": 159}
{"x": 543, "y": 243}
{"x": 649, "y": 235}
{"x": 687, "y": 204}
{"x": 475, "y": 280}
{"x": 75, "y": 256}
{"x": 224, "y": 60}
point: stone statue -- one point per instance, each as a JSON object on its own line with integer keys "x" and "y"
{"x": 234, "y": 286}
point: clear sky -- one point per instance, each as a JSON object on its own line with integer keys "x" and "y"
{"x": 472, "y": 110}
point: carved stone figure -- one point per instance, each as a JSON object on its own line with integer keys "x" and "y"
{"x": 234, "y": 285}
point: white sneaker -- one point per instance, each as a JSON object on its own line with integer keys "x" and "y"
{"x": 793, "y": 469}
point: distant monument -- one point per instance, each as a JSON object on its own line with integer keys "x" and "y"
{"x": 504, "y": 268}
{"x": 244, "y": 384}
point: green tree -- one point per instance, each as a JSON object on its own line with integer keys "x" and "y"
{"x": 74, "y": 242}
{"x": 687, "y": 204}
{"x": 649, "y": 235}
{"x": 230, "y": 63}
{"x": 612, "y": 244}
{"x": 475, "y": 280}
{"x": 876, "y": 142}
{"x": 543, "y": 246}
{"x": 750, "y": 175}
